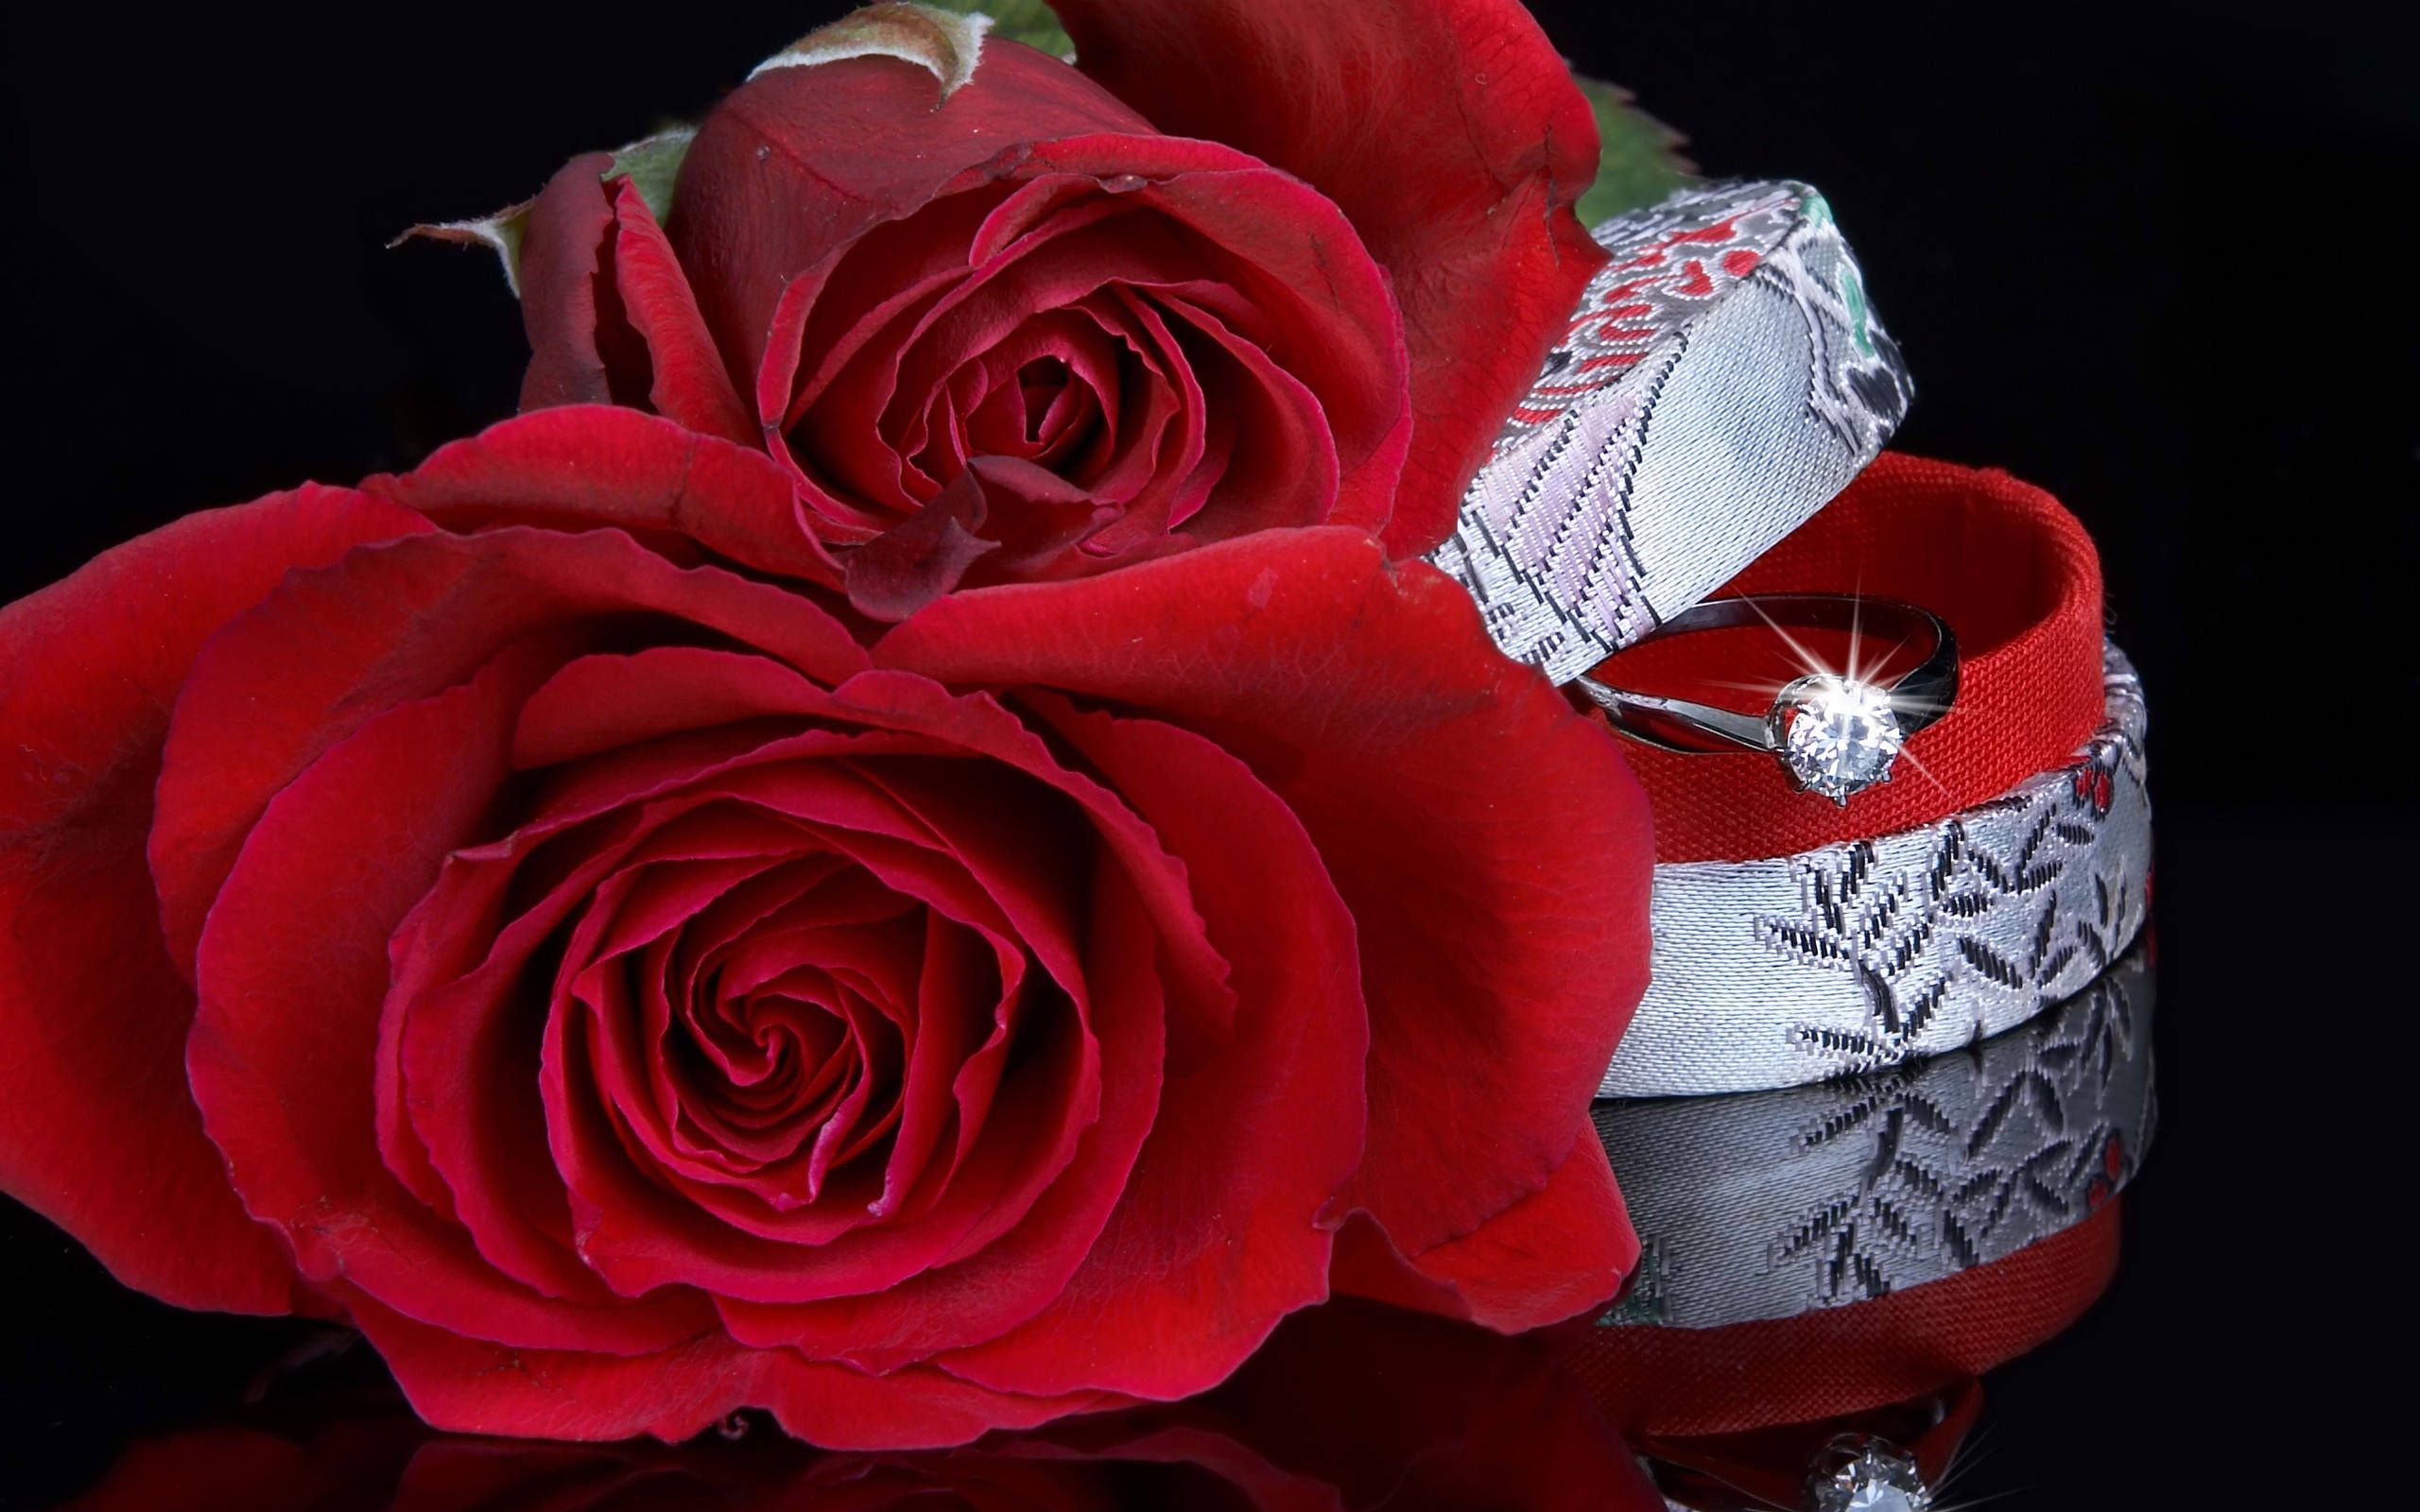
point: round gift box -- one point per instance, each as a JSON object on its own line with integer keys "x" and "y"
{"x": 2006, "y": 863}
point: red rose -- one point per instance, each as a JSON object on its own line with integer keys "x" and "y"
{"x": 501, "y": 904}
{"x": 1001, "y": 328}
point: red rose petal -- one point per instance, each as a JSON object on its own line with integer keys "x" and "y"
{"x": 96, "y": 1129}
{"x": 644, "y": 1082}
{"x": 464, "y": 1385}
{"x": 999, "y": 507}
{"x": 1555, "y": 1255}
{"x": 605, "y": 703}
{"x": 582, "y": 466}
{"x": 561, "y": 267}
{"x": 1049, "y": 387}
{"x": 691, "y": 385}
{"x": 1105, "y": 201}
{"x": 957, "y": 974}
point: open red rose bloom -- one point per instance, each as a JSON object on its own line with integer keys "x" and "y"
{"x": 1028, "y": 335}
{"x": 629, "y": 998}
{"x": 907, "y": 888}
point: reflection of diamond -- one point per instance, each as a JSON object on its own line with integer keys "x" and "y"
{"x": 1874, "y": 1478}
{"x": 1836, "y": 735}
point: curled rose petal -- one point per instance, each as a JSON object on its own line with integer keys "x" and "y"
{"x": 96, "y": 1129}
{"x": 679, "y": 1393}
{"x": 609, "y": 315}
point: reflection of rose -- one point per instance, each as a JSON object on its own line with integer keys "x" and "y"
{"x": 1352, "y": 1407}
{"x": 388, "y": 1463}
{"x": 996, "y": 320}
{"x": 631, "y": 998}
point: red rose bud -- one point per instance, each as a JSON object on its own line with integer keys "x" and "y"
{"x": 968, "y": 296}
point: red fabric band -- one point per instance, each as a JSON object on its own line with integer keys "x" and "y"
{"x": 2012, "y": 572}
{"x": 1683, "y": 1382}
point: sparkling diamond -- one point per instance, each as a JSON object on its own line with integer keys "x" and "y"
{"x": 1873, "y": 1477}
{"x": 1837, "y": 736}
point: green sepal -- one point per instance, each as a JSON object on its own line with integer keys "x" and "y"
{"x": 1639, "y": 160}
{"x": 653, "y": 165}
{"x": 500, "y": 233}
{"x": 1031, "y": 21}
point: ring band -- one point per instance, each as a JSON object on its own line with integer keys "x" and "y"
{"x": 1835, "y": 733}
{"x": 1856, "y": 956}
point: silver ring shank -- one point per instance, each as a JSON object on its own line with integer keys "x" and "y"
{"x": 1919, "y": 697}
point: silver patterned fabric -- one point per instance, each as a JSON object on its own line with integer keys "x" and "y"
{"x": 1852, "y": 956}
{"x": 1724, "y": 377}
{"x": 1767, "y": 1205}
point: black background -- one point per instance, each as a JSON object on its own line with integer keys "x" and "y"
{"x": 2155, "y": 257}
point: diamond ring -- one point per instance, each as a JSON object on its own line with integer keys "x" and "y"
{"x": 1836, "y": 733}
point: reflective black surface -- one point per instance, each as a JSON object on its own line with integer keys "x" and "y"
{"x": 1353, "y": 1405}
{"x": 2142, "y": 256}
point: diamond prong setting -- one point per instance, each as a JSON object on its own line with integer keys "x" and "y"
{"x": 1862, "y": 1473}
{"x": 1835, "y": 736}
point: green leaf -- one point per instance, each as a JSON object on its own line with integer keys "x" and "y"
{"x": 652, "y": 164}
{"x": 1029, "y": 22}
{"x": 1639, "y": 163}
